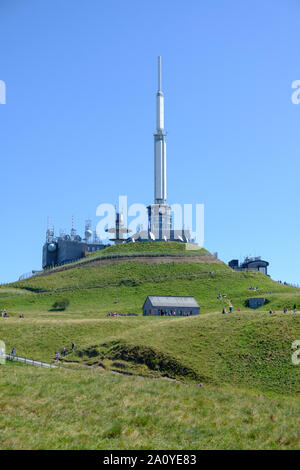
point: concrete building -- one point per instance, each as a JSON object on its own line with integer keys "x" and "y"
{"x": 170, "y": 306}
{"x": 68, "y": 248}
{"x": 250, "y": 264}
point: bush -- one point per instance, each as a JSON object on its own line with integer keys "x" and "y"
{"x": 60, "y": 304}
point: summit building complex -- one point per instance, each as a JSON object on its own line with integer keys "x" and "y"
{"x": 66, "y": 248}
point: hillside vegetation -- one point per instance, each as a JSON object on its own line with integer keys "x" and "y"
{"x": 154, "y": 247}
{"x": 98, "y": 285}
{"x": 67, "y": 409}
{"x": 248, "y": 349}
{"x": 249, "y": 393}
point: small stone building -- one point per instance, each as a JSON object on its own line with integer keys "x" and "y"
{"x": 170, "y": 306}
{"x": 256, "y": 302}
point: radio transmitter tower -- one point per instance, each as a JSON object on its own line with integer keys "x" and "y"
{"x": 159, "y": 218}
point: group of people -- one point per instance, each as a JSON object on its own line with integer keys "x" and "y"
{"x": 224, "y": 296}
{"x": 285, "y": 310}
{"x": 168, "y": 313}
{"x": 230, "y": 309}
{"x": 220, "y": 296}
{"x": 173, "y": 313}
{"x": 286, "y": 284}
{"x": 4, "y": 314}
{"x": 115, "y": 314}
{"x": 63, "y": 352}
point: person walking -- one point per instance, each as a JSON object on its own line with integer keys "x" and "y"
{"x": 295, "y": 308}
{"x": 73, "y": 346}
{"x": 13, "y": 351}
{"x": 230, "y": 308}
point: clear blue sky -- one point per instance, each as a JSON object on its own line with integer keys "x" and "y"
{"x": 77, "y": 127}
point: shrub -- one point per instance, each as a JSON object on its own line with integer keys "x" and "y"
{"x": 60, "y": 304}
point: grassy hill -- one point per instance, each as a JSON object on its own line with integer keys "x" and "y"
{"x": 98, "y": 285}
{"x": 243, "y": 360}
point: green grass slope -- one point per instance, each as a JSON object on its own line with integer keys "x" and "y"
{"x": 141, "y": 249}
{"x": 249, "y": 395}
{"x": 65, "y": 409}
{"x": 245, "y": 349}
{"x": 96, "y": 289}
{"x": 155, "y": 247}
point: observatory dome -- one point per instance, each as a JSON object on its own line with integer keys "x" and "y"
{"x": 51, "y": 247}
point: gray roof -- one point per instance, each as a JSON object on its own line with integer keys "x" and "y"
{"x": 169, "y": 301}
{"x": 257, "y": 262}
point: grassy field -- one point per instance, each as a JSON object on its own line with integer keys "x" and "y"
{"x": 248, "y": 349}
{"x": 249, "y": 396}
{"x": 66, "y": 409}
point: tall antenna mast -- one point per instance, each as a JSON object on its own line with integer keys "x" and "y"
{"x": 73, "y": 231}
{"x": 159, "y": 73}
{"x": 48, "y": 229}
{"x": 160, "y": 164}
{"x": 159, "y": 217}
